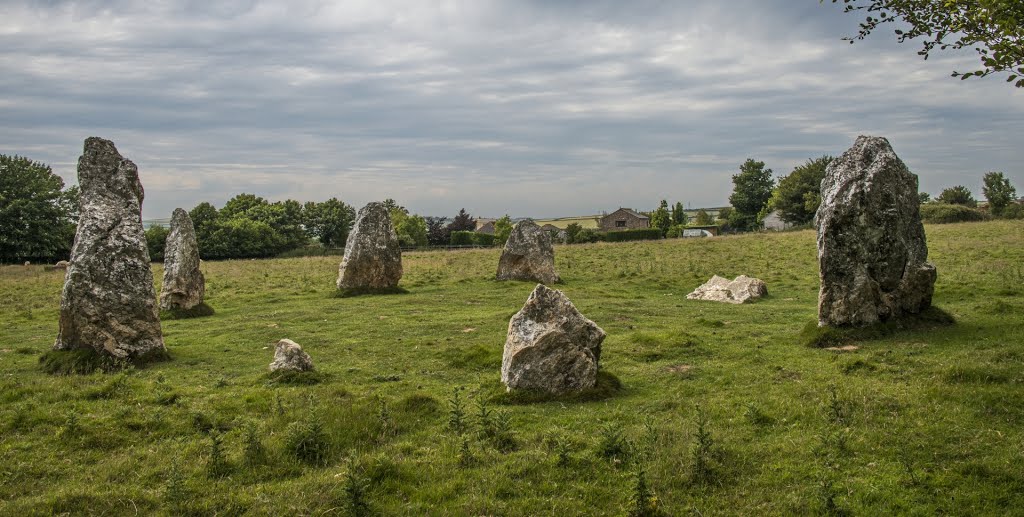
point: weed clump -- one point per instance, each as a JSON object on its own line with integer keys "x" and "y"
{"x": 217, "y": 465}
{"x": 642, "y": 501}
{"x": 356, "y": 487}
{"x": 254, "y": 452}
{"x": 702, "y": 470}
{"x": 613, "y": 444}
{"x": 307, "y": 441}
{"x": 456, "y": 413}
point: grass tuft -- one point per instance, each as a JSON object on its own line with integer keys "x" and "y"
{"x": 824, "y": 337}
{"x": 199, "y": 311}
{"x": 608, "y": 386}
{"x": 296, "y": 378}
{"x": 367, "y": 291}
{"x": 84, "y": 361}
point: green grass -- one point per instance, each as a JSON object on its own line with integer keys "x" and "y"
{"x": 924, "y": 419}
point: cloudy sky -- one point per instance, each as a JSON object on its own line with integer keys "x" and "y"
{"x": 532, "y": 108}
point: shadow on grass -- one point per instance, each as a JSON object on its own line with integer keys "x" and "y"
{"x": 367, "y": 291}
{"x": 823, "y": 337}
{"x": 199, "y": 311}
{"x": 608, "y": 386}
{"x": 295, "y": 378}
{"x": 86, "y": 361}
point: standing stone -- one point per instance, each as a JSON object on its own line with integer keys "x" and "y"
{"x": 373, "y": 255}
{"x": 528, "y": 255}
{"x": 871, "y": 244}
{"x": 183, "y": 285}
{"x": 108, "y": 303}
{"x": 740, "y": 290}
{"x": 289, "y": 356}
{"x": 550, "y": 346}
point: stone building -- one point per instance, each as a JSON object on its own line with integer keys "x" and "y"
{"x": 624, "y": 219}
{"x": 485, "y": 226}
{"x": 773, "y": 221}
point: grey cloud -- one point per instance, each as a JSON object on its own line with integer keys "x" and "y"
{"x": 532, "y": 108}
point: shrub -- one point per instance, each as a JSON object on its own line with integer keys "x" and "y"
{"x": 586, "y": 235}
{"x": 483, "y": 239}
{"x": 1013, "y": 211}
{"x": 640, "y": 234}
{"x": 462, "y": 238}
{"x": 939, "y": 213}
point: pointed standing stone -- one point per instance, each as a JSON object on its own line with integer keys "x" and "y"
{"x": 183, "y": 285}
{"x": 108, "y": 303}
{"x": 373, "y": 255}
{"x": 871, "y": 244}
{"x": 528, "y": 255}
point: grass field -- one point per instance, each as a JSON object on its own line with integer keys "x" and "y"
{"x": 721, "y": 408}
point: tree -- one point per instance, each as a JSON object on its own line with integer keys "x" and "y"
{"x": 502, "y": 229}
{"x": 678, "y": 214}
{"x": 923, "y": 197}
{"x": 437, "y": 231}
{"x": 798, "y": 194}
{"x": 463, "y": 222}
{"x": 998, "y": 192}
{"x": 751, "y": 191}
{"x": 411, "y": 229}
{"x": 994, "y": 28}
{"x": 329, "y": 221}
{"x": 703, "y": 218}
{"x": 37, "y": 216}
{"x": 571, "y": 231}
{"x": 661, "y": 218}
{"x": 156, "y": 240}
{"x": 241, "y": 206}
{"x": 958, "y": 195}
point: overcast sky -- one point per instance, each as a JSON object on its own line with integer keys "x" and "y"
{"x": 532, "y": 108}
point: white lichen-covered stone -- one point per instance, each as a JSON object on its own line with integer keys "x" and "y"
{"x": 740, "y": 290}
{"x": 108, "y": 302}
{"x": 373, "y": 255}
{"x": 550, "y": 346}
{"x": 528, "y": 255}
{"x": 871, "y": 243}
{"x": 183, "y": 283}
{"x": 289, "y": 356}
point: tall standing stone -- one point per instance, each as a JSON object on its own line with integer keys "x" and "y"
{"x": 108, "y": 303}
{"x": 183, "y": 284}
{"x": 550, "y": 346}
{"x": 528, "y": 255}
{"x": 871, "y": 244}
{"x": 373, "y": 255}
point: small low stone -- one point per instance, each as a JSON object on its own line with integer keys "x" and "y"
{"x": 742, "y": 289}
{"x": 289, "y": 356}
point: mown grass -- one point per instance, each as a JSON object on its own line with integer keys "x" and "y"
{"x": 723, "y": 408}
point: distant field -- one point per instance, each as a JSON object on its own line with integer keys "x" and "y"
{"x": 585, "y": 221}
{"x": 928, "y": 422}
